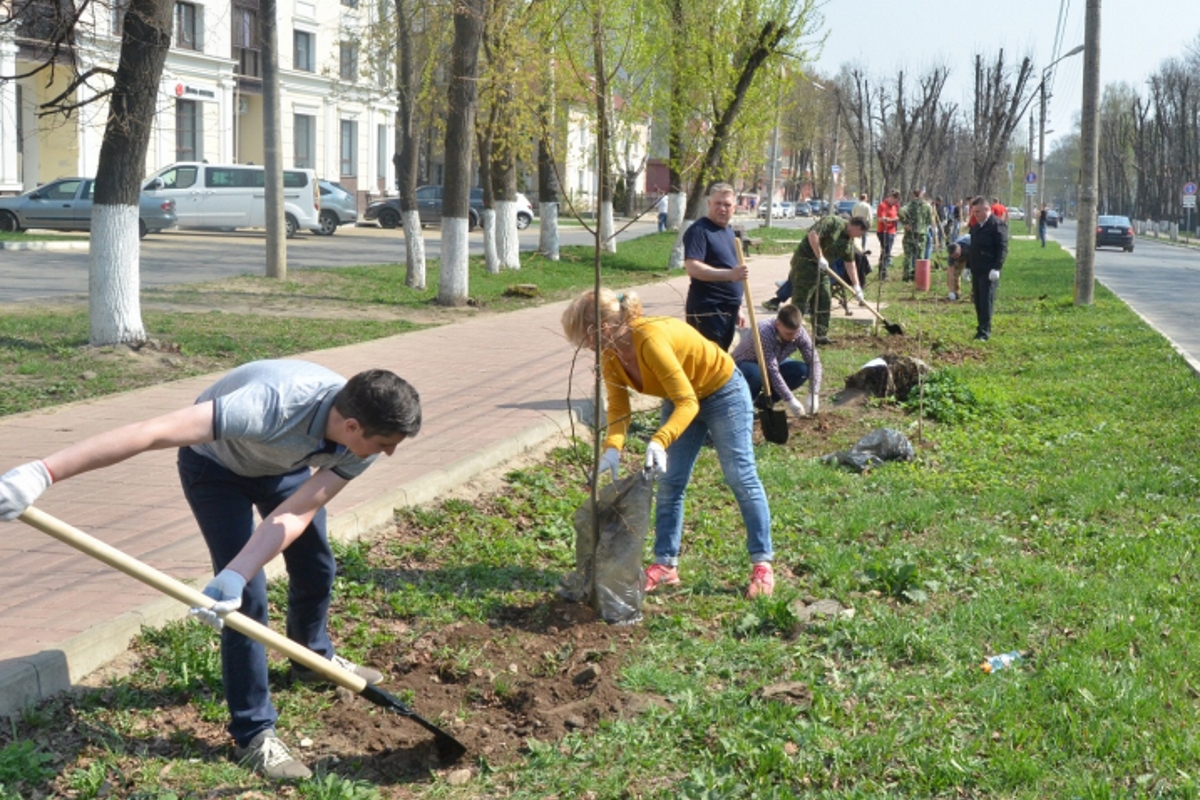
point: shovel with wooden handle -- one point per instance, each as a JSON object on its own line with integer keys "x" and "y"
{"x": 773, "y": 421}
{"x": 892, "y": 327}
{"x": 449, "y": 749}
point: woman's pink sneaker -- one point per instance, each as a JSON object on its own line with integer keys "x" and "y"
{"x": 659, "y": 575}
{"x": 762, "y": 581}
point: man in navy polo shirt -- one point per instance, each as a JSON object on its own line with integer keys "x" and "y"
{"x": 714, "y": 298}
{"x": 283, "y": 437}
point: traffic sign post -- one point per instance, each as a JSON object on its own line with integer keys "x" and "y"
{"x": 1189, "y": 201}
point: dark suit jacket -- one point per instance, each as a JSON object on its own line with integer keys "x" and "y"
{"x": 989, "y": 245}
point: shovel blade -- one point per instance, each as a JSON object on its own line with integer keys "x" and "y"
{"x": 774, "y": 426}
{"x": 449, "y": 749}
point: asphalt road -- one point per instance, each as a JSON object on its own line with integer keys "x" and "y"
{"x": 1158, "y": 280}
{"x": 178, "y": 257}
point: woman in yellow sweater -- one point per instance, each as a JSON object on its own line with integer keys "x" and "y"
{"x": 703, "y": 395}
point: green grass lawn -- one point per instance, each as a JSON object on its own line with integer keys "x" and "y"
{"x": 1052, "y": 509}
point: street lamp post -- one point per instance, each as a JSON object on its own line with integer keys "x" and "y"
{"x": 1042, "y": 126}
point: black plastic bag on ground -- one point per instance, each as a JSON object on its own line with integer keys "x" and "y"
{"x": 608, "y": 567}
{"x": 878, "y": 446}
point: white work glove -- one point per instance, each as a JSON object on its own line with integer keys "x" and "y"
{"x": 795, "y": 408}
{"x": 994, "y": 275}
{"x": 822, "y": 263}
{"x": 20, "y": 486}
{"x": 610, "y": 461}
{"x": 813, "y": 404}
{"x": 858, "y": 294}
{"x": 227, "y": 590}
{"x": 656, "y": 459}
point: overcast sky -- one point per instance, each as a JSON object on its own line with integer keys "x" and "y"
{"x": 883, "y": 36}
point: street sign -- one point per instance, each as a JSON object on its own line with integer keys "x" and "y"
{"x": 1189, "y": 189}
{"x": 836, "y": 169}
{"x": 1189, "y": 201}
{"x": 1031, "y": 188}
{"x": 1031, "y": 177}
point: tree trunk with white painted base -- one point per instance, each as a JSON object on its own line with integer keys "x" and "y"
{"x": 676, "y": 204}
{"x": 453, "y": 284}
{"x": 114, "y": 306}
{"x": 414, "y": 247}
{"x": 608, "y": 239}
{"x": 462, "y": 97}
{"x": 676, "y": 261}
{"x": 508, "y": 247}
{"x": 491, "y": 262}
{"x": 548, "y": 235}
{"x": 114, "y": 288}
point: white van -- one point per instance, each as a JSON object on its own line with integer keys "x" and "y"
{"x": 232, "y": 196}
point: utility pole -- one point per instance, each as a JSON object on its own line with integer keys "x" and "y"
{"x": 1042, "y": 124}
{"x": 837, "y": 127}
{"x": 1029, "y": 166}
{"x": 774, "y": 156}
{"x": 1089, "y": 141}
{"x": 272, "y": 148}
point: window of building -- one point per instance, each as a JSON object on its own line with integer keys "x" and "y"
{"x": 246, "y": 48}
{"x": 304, "y": 51}
{"x": 348, "y": 62}
{"x": 187, "y": 36}
{"x": 349, "y": 147}
{"x": 350, "y": 3}
{"x": 381, "y": 154}
{"x": 304, "y": 129}
{"x": 189, "y": 131}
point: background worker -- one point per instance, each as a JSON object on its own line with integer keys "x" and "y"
{"x": 714, "y": 298}
{"x": 252, "y": 441}
{"x": 830, "y": 236}
{"x": 862, "y": 209}
{"x": 886, "y": 217}
{"x": 916, "y": 219}
{"x": 782, "y": 336}
{"x": 956, "y": 252}
{"x": 985, "y": 258}
{"x": 703, "y": 393}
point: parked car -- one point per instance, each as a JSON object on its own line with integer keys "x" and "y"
{"x": 338, "y": 207}
{"x": 803, "y": 209}
{"x": 845, "y": 208}
{"x": 66, "y": 205}
{"x": 1114, "y": 231}
{"x": 524, "y": 212}
{"x": 776, "y": 210}
{"x": 789, "y": 210}
{"x": 429, "y": 202}
{"x": 1016, "y": 212}
{"x": 231, "y": 196}
{"x": 1051, "y": 218}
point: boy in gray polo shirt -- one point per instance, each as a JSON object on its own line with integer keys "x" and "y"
{"x": 252, "y": 440}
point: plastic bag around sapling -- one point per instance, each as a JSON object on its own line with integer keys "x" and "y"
{"x": 878, "y": 446}
{"x": 608, "y": 562}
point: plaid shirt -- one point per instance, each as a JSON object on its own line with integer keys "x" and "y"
{"x": 775, "y": 351}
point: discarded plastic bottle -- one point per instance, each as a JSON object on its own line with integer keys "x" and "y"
{"x": 1002, "y": 661}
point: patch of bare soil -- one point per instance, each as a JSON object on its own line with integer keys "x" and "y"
{"x": 552, "y": 670}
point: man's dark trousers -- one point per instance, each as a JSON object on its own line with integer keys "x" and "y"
{"x": 223, "y": 504}
{"x": 983, "y": 293}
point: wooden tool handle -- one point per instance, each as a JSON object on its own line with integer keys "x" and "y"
{"x": 89, "y": 545}
{"x": 758, "y": 349}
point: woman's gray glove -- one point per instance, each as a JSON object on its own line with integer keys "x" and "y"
{"x": 21, "y": 486}
{"x": 227, "y": 590}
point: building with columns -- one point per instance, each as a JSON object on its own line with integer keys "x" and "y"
{"x": 337, "y": 101}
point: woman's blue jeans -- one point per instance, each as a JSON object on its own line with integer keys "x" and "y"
{"x": 728, "y": 417}
{"x": 223, "y": 504}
